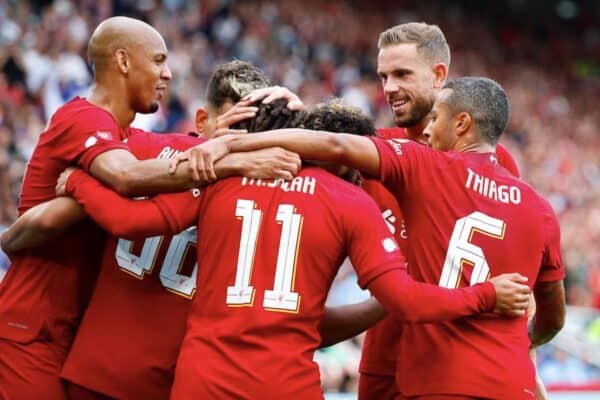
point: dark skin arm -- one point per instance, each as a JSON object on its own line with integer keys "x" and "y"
{"x": 42, "y": 223}
{"x": 344, "y": 322}
{"x": 122, "y": 172}
{"x": 550, "y": 314}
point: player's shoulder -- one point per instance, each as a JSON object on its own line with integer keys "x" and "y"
{"x": 79, "y": 110}
{"x": 391, "y": 133}
{"x": 339, "y": 192}
{"x": 139, "y": 137}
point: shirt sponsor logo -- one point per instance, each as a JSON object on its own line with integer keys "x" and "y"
{"x": 397, "y": 145}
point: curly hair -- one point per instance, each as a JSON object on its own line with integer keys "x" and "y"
{"x": 275, "y": 115}
{"x": 336, "y": 116}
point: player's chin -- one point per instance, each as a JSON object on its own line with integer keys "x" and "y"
{"x": 152, "y": 107}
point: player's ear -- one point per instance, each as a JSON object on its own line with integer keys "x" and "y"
{"x": 462, "y": 123}
{"x": 440, "y": 73}
{"x": 201, "y": 117}
{"x": 122, "y": 61}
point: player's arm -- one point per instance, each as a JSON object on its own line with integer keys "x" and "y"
{"x": 550, "y": 315}
{"x": 381, "y": 268}
{"x": 344, "y": 322}
{"x": 41, "y": 224}
{"x": 414, "y": 301}
{"x": 127, "y": 218}
{"x": 352, "y": 150}
{"x": 120, "y": 170}
{"x": 549, "y": 290}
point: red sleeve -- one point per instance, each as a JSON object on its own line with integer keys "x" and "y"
{"x": 506, "y": 160}
{"x": 371, "y": 246}
{"x": 414, "y": 301}
{"x": 88, "y": 133}
{"x": 552, "y": 268}
{"x": 401, "y": 160}
{"x": 131, "y": 219}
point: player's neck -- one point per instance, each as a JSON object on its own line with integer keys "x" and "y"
{"x": 475, "y": 147}
{"x": 104, "y": 97}
{"x": 415, "y": 132}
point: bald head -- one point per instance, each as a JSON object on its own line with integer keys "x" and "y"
{"x": 116, "y": 33}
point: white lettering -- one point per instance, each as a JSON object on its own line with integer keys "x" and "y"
{"x": 300, "y": 184}
{"x": 490, "y": 188}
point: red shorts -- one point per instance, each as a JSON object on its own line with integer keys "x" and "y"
{"x": 31, "y": 371}
{"x": 381, "y": 387}
{"x": 77, "y": 392}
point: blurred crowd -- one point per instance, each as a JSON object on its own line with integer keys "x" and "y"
{"x": 319, "y": 49}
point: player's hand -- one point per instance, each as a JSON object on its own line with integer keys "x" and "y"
{"x": 61, "y": 183}
{"x": 272, "y": 163}
{"x": 239, "y": 112}
{"x": 512, "y": 294}
{"x": 202, "y": 158}
{"x": 269, "y": 94}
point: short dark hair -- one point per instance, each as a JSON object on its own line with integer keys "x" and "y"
{"x": 486, "y": 102}
{"x": 274, "y": 115}
{"x": 233, "y": 80}
{"x": 337, "y": 116}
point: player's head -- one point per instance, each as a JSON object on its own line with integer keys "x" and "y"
{"x": 467, "y": 109}
{"x": 229, "y": 83}
{"x": 412, "y": 64}
{"x": 274, "y": 115}
{"x": 337, "y": 116}
{"x": 130, "y": 56}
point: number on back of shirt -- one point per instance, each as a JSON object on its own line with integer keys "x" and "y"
{"x": 461, "y": 251}
{"x": 181, "y": 245}
{"x": 281, "y": 297}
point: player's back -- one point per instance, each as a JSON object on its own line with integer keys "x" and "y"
{"x": 129, "y": 338}
{"x": 270, "y": 250}
{"x": 468, "y": 219}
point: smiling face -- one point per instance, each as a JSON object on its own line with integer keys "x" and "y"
{"x": 150, "y": 74}
{"x": 441, "y": 131}
{"x": 407, "y": 81}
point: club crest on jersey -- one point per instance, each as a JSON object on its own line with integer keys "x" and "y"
{"x": 397, "y": 144}
{"x": 389, "y": 245}
{"x": 90, "y": 142}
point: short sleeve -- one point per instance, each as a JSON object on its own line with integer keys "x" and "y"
{"x": 400, "y": 163}
{"x": 552, "y": 268}
{"x": 88, "y": 132}
{"x": 372, "y": 248}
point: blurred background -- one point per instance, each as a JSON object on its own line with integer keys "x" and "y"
{"x": 546, "y": 54}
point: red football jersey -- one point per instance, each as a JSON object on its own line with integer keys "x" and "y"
{"x": 130, "y": 335}
{"x": 378, "y": 355}
{"x": 273, "y": 250}
{"x": 252, "y": 352}
{"x": 47, "y": 288}
{"x": 468, "y": 219}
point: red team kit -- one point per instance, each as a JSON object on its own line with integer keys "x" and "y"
{"x": 241, "y": 320}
